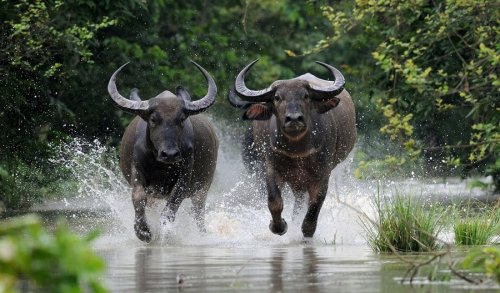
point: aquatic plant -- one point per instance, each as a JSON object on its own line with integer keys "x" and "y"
{"x": 407, "y": 225}
{"x": 477, "y": 228}
{"x": 59, "y": 262}
{"x": 404, "y": 224}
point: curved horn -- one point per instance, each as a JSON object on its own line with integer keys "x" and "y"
{"x": 247, "y": 94}
{"x": 330, "y": 91}
{"x": 235, "y": 101}
{"x": 123, "y": 103}
{"x": 208, "y": 100}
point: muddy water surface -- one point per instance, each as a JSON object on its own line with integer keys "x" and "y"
{"x": 238, "y": 252}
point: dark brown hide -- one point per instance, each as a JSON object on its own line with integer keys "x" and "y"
{"x": 168, "y": 152}
{"x": 296, "y": 140}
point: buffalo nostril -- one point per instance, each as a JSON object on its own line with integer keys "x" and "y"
{"x": 295, "y": 117}
{"x": 169, "y": 154}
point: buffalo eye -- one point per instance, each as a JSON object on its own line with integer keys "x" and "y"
{"x": 152, "y": 121}
{"x": 181, "y": 120}
{"x": 277, "y": 98}
{"x": 306, "y": 96}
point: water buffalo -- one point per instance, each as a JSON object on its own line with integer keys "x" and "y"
{"x": 302, "y": 128}
{"x": 167, "y": 151}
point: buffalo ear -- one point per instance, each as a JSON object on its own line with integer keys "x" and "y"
{"x": 258, "y": 112}
{"x": 325, "y": 106}
{"x": 183, "y": 93}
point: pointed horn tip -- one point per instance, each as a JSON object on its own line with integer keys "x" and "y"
{"x": 253, "y": 62}
{"x": 243, "y": 72}
{"x": 126, "y": 63}
{"x": 330, "y": 67}
{"x": 327, "y": 66}
{"x": 113, "y": 77}
{"x": 324, "y": 64}
{"x": 248, "y": 66}
{"x": 196, "y": 64}
{"x": 202, "y": 70}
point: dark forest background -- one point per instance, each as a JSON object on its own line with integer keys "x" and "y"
{"x": 423, "y": 75}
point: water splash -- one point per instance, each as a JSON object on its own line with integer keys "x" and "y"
{"x": 236, "y": 213}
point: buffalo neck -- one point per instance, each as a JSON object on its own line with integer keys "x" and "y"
{"x": 306, "y": 144}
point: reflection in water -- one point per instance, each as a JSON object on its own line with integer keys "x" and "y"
{"x": 238, "y": 252}
{"x": 311, "y": 268}
{"x": 141, "y": 269}
{"x": 277, "y": 270}
{"x": 218, "y": 269}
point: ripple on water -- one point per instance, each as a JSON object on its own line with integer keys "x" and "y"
{"x": 238, "y": 251}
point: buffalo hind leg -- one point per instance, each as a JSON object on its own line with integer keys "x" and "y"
{"x": 317, "y": 194}
{"x": 275, "y": 204}
{"x": 141, "y": 226}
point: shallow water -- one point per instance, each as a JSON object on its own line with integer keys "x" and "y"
{"x": 238, "y": 252}
{"x": 297, "y": 268}
{"x": 282, "y": 268}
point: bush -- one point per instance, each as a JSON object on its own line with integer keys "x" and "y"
{"x": 485, "y": 261}
{"x": 22, "y": 184}
{"x": 432, "y": 75}
{"x": 62, "y": 262}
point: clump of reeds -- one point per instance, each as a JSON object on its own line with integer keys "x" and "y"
{"x": 404, "y": 224}
{"x": 477, "y": 228}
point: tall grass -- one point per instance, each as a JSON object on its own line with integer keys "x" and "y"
{"x": 404, "y": 224}
{"x": 477, "y": 228}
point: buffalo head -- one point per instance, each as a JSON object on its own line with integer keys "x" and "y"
{"x": 165, "y": 114}
{"x": 291, "y": 101}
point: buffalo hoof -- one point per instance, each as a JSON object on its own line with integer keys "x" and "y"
{"x": 202, "y": 228}
{"x": 142, "y": 231}
{"x": 308, "y": 240}
{"x": 308, "y": 230}
{"x": 279, "y": 228}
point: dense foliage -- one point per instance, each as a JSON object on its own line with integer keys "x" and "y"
{"x": 422, "y": 72}
{"x": 434, "y": 77}
{"x": 31, "y": 258}
{"x": 484, "y": 260}
{"x": 56, "y": 58}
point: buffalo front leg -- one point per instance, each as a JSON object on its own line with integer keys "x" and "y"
{"x": 181, "y": 188}
{"x": 171, "y": 208}
{"x": 317, "y": 194}
{"x": 199, "y": 200}
{"x": 140, "y": 224}
{"x": 275, "y": 204}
